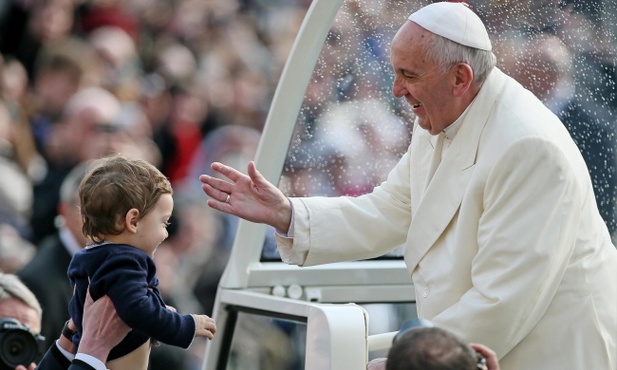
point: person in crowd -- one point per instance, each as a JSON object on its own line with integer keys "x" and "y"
{"x": 94, "y": 124}
{"x": 433, "y": 348}
{"x": 125, "y": 206}
{"x": 421, "y": 346}
{"x": 103, "y": 329}
{"x": 493, "y": 201}
{"x": 19, "y": 303}
{"x": 45, "y": 274}
{"x": 436, "y": 348}
{"x": 121, "y": 63}
{"x": 47, "y": 23}
{"x": 16, "y": 200}
{"x": 58, "y": 77}
{"x": 549, "y": 74}
{"x": 87, "y": 114}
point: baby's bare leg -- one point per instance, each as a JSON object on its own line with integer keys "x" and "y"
{"x": 136, "y": 360}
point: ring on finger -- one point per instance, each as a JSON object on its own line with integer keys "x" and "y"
{"x": 228, "y": 198}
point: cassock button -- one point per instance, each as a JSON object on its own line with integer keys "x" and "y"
{"x": 426, "y": 291}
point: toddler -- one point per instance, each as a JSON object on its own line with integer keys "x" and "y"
{"x": 125, "y": 206}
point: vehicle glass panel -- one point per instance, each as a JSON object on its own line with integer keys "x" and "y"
{"x": 350, "y": 131}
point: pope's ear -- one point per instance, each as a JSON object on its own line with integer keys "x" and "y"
{"x": 463, "y": 78}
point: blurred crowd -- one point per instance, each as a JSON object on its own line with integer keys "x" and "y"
{"x": 350, "y": 130}
{"x": 182, "y": 83}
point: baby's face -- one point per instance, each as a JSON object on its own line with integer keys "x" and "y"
{"x": 152, "y": 228}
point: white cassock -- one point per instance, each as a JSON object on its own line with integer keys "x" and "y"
{"x": 505, "y": 245}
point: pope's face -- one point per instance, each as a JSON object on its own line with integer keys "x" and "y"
{"x": 418, "y": 79}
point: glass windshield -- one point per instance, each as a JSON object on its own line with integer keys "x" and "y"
{"x": 281, "y": 345}
{"x": 350, "y": 131}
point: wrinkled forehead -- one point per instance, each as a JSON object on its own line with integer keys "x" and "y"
{"x": 410, "y": 39}
{"x": 14, "y": 308}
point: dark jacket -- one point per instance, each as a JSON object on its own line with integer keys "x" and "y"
{"x": 55, "y": 360}
{"x": 128, "y": 276}
{"x": 45, "y": 276}
{"x": 593, "y": 129}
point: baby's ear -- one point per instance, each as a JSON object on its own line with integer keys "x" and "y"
{"x": 131, "y": 219}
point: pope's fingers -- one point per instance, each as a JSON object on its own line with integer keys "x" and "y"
{"x": 217, "y": 183}
{"x": 217, "y": 189}
{"x": 254, "y": 174}
{"x": 216, "y": 194}
{"x": 229, "y": 172}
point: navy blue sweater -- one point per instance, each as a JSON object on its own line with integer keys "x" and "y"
{"x": 128, "y": 276}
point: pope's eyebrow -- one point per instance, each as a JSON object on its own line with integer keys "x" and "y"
{"x": 405, "y": 71}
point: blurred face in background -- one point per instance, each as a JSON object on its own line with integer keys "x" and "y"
{"x": 17, "y": 309}
{"x": 51, "y": 19}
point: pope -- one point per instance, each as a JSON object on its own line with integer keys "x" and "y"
{"x": 493, "y": 202}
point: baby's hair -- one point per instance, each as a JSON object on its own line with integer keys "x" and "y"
{"x": 114, "y": 186}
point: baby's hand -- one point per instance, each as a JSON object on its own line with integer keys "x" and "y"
{"x": 205, "y": 326}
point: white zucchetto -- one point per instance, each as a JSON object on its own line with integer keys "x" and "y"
{"x": 454, "y": 21}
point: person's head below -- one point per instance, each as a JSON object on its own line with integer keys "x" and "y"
{"x": 126, "y": 201}
{"x": 431, "y": 348}
{"x": 441, "y": 57}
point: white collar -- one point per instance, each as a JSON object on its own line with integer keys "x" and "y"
{"x": 451, "y": 130}
{"x": 70, "y": 243}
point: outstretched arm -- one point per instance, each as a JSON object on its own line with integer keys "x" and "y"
{"x": 251, "y": 197}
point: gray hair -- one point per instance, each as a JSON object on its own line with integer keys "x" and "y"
{"x": 69, "y": 190}
{"x": 446, "y": 53}
{"x": 12, "y": 287}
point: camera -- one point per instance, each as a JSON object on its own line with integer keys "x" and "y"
{"x": 480, "y": 361}
{"x": 18, "y": 345}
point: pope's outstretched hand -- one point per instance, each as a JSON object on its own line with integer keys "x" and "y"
{"x": 250, "y": 197}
